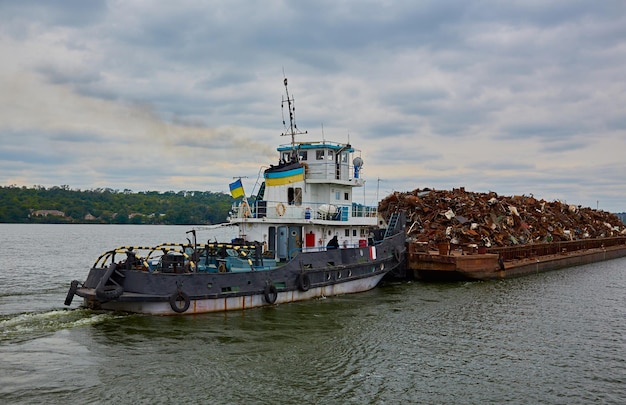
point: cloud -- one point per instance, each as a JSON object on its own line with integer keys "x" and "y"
{"x": 515, "y": 97}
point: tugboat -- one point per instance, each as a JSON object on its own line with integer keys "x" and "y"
{"x": 301, "y": 236}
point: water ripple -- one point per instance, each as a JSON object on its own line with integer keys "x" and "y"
{"x": 548, "y": 338}
{"x": 27, "y": 326}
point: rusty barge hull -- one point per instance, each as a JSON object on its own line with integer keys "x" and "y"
{"x": 434, "y": 267}
{"x": 509, "y": 263}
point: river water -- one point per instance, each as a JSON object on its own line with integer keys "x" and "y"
{"x": 553, "y": 338}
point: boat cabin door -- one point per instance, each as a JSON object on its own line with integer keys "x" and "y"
{"x": 289, "y": 242}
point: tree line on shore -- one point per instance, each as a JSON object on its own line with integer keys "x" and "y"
{"x": 60, "y": 204}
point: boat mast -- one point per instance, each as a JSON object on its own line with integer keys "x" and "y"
{"x": 293, "y": 128}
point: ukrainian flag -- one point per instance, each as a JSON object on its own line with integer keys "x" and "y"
{"x": 280, "y": 178}
{"x": 236, "y": 189}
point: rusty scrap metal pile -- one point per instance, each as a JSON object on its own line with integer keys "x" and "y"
{"x": 487, "y": 219}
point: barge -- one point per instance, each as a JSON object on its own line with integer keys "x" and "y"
{"x": 455, "y": 263}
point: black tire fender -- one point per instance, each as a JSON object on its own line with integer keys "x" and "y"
{"x": 71, "y": 292}
{"x": 397, "y": 254}
{"x": 109, "y": 292}
{"x": 176, "y": 298}
{"x": 304, "y": 282}
{"x": 270, "y": 293}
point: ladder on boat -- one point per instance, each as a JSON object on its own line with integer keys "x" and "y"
{"x": 260, "y": 194}
{"x": 256, "y": 206}
{"x": 393, "y": 222}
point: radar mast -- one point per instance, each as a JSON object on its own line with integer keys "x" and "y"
{"x": 293, "y": 127}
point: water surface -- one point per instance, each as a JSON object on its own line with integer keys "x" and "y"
{"x": 553, "y": 338}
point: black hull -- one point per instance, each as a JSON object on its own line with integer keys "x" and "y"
{"x": 308, "y": 275}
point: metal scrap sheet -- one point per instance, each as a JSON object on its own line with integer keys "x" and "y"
{"x": 488, "y": 219}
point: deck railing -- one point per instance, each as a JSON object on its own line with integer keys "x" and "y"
{"x": 277, "y": 210}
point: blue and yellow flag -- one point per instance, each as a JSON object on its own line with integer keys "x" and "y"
{"x": 236, "y": 189}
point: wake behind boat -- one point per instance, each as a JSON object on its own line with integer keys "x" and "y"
{"x": 300, "y": 237}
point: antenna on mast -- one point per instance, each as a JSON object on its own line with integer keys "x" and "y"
{"x": 293, "y": 127}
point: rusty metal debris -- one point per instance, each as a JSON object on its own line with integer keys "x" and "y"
{"x": 487, "y": 219}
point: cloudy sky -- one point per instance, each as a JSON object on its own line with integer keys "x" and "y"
{"x": 517, "y": 97}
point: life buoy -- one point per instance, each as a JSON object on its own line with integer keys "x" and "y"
{"x": 178, "y": 297}
{"x": 270, "y": 293}
{"x": 280, "y": 209}
{"x": 304, "y": 282}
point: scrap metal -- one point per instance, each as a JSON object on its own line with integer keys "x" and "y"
{"x": 490, "y": 220}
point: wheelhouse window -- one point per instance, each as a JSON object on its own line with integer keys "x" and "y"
{"x": 319, "y": 154}
{"x": 294, "y": 195}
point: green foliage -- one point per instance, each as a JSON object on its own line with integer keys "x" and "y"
{"x": 62, "y": 205}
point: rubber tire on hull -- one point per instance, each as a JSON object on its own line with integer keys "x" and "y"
{"x": 270, "y": 293}
{"x": 304, "y": 282}
{"x": 71, "y": 292}
{"x": 397, "y": 253}
{"x": 109, "y": 292}
{"x": 174, "y": 298}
